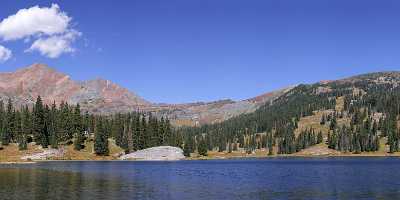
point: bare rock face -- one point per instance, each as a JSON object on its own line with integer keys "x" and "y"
{"x": 46, "y": 154}
{"x": 218, "y": 111}
{"x": 24, "y": 85}
{"x": 104, "y": 97}
{"x": 160, "y": 153}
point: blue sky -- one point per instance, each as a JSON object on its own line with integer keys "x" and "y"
{"x": 199, "y": 50}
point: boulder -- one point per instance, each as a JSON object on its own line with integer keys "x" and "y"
{"x": 156, "y": 154}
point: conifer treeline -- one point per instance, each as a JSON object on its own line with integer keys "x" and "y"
{"x": 276, "y": 121}
{"x": 361, "y": 135}
{"x": 373, "y": 108}
{"x": 374, "y": 112}
{"x": 135, "y": 131}
{"x": 65, "y": 124}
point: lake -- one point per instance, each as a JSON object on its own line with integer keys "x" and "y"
{"x": 275, "y": 178}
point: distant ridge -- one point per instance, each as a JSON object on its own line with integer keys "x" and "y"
{"x": 102, "y": 96}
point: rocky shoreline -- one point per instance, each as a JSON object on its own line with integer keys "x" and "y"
{"x": 169, "y": 153}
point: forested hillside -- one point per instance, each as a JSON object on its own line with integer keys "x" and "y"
{"x": 354, "y": 115}
{"x": 65, "y": 125}
{"x": 367, "y": 117}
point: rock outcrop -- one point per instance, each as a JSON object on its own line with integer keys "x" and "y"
{"x": 160, "y": 153}
{"x": 46, "y": 154}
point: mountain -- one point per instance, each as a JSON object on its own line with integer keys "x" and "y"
{"x": 331, "y": 117}
{"x": 341, "y": 117}
{"x": 24, "y": 85}
{"x": 104, "y": 97}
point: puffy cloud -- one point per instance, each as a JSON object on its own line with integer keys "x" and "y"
{"x": 34, "y": 21}
{"x": 54, "y": 46}
{"x": 48, "y": 27}
{"x": 5, "y": 54}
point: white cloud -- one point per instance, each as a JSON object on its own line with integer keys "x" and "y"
{"x": 54, "y": 46}
{"x": 34, "y": 21}
{"x": 5, "y": 54}
{"x": 48, "y": 27}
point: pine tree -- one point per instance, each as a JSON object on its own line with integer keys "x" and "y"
{"x": 229, "y": 147}
{"x": 7, "y": 124}
{"x": 5, "y": 136}
{"x": 202, "y": 147}
{"x": 116, "y": 131}
{"x": 188, "y": 146}
{"x": 86, "y": 122}
{"x": 100, "y": 140}
{"x": 333, "y": 123}
{"x": 22, "y": 143}
{"x": 270, "y": 144}
{"x": 270, "y": 150}
{"x": 144, "y": 133}
{"x": 21, "y": 138}
{"x": 11, "y": 120}
{"x": 323, "y": 120}
{"x": 39, "y": 127}
{"x": 52, "y": 127}
{"x": 319, "y": 138}
{"x": 79, "y": 135}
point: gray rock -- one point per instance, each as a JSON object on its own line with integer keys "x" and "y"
{"x": 156, "y": 154}
{"x": 46, "y": 154}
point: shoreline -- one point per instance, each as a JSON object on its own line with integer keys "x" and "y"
{"x": 208, "y": 158}
{"x": 17, "y": 163}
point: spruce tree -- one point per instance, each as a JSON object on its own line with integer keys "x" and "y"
{"x": 5, "y": 136}
{"x": 39, "y": 129}
{"x": 79, "y": 135}
{"x": 100, "y": 140}
{"x": 323, "y": 120}
{"x": 319, "y": 138}
{"x": 202, "y": 147}
{"x": 270, "y": 150}
{"x": 21, "y": 138}
{"x": 11, "y": 120}
{"x": 7, "y": 124}
{"x": 188, "y": 146}
{"x": 53, "y": 126}
{"x": 333, "y": 123}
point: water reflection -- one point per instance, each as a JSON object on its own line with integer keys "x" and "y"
{"x": 23, "y": 183}
{"x": 353, "y": 178}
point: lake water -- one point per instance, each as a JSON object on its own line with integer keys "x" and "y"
{"x": 278, "y": 178}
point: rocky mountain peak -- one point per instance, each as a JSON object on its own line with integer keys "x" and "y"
{"x": 102, "y": 96}
{"x": 25, "y": 84}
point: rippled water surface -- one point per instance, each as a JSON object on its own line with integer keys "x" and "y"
{"x": 280, "y": 178}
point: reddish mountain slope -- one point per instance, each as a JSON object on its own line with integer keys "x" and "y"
{"x": 104, "y": 97}
{"x": 24, "y": 85}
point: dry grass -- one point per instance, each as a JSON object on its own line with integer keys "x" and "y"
{"x": 88, "y": 153}
{"x": 339, "y": 104}
{"x": 11, "y": 153}
{"x": 317, "y": 150}
{"x": 314, "y": 120}
{"x": 183, "y": 122}
{"x": 225, "y": 155}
